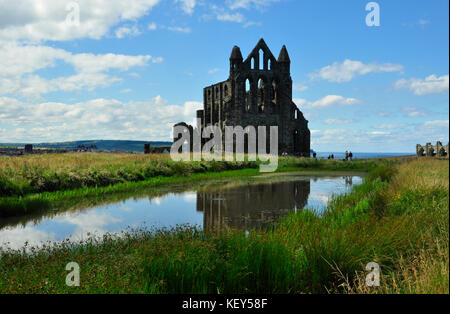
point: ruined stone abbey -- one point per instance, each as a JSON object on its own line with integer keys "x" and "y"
{"x": 258, "y": 92}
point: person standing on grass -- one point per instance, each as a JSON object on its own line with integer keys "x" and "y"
{"x": 346, "y": 155}
{"x": 350, "y": 155}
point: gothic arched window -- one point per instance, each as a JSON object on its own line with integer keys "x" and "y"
{"x": 248, "y": 95}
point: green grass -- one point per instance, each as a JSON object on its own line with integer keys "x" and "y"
{"x": 399, "y": 218}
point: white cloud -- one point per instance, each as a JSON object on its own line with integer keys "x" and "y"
{"x": 231, "y": 17}
{"x": 152, "y": 26}
{"x": 327, "y": 101}
{"x": 179, "y": 29}
{"x": 390, "y": 126}
{"x": 347, "y": 70}
{"x": 19, "y": 62}
{"x": 432, "y": 84}
{"x": 157, "y": 60}
{"x": 125, "y": 31}
{"x": 52, "y": 121}
{"x": 247, "y": 4}
{"x": 38, "y": 20}
{"x": 379, "y": 133}
{"x": 337, "y": 121}
{"x": 187, "y": 5}
{"x": 437, "y": 124}
{"x": 414, "y": 112}
{"x": 224, "y": 15}
{"x": 213, "y": 71}
{"x": 251, "y": 23}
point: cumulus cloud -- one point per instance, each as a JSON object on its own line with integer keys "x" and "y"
{"x": 337, "y": 121}
{"x": 327, "y": 101}
{"x": 213, "y": 71}
{"x": 390, "y": 126}
{"x": 251, "y": 23}
{"x": 231, "y": 17}
{"x": 147, "y": 120}
{"x": 247, "y": 4}
{"x": 18, "y": 64}
{"x": 126, "y": 31}
{"x": 179, "y": 29}
{"x": 437, "y": 124}
{"x": 432, "y": 84}
{"x": 224, "y": 14}
{"x": 187, "y": 5}
{"x": 347, "y": 70}
{"x": 39, "y": 20}
{"x": 414, "y": 112}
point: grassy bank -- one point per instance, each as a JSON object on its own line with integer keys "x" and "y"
{"x": 40, "y": 182}
{"x": 399, "y": 218}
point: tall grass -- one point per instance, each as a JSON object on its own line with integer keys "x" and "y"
{"x": 398, "y": 218}
{"x": 24, "y": 175}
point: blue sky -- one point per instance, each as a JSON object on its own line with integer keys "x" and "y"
{"x": 130, "y": 69}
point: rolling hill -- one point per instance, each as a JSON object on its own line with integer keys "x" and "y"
{"x": 130, "y": 146}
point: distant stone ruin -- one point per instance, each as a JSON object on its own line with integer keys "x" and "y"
{"x": 28, "y": 149}
{"x": 156, "y": 150}
{"x": 429, "y": 150}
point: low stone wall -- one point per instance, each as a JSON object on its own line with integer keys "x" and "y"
{"x": 429, "y": 150}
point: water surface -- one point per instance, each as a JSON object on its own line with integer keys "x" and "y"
{"x": 243, "y": 204}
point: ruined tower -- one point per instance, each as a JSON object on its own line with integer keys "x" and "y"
{"x": 258, "y": 92}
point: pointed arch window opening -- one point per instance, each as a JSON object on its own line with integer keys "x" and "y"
{"x": 275, "y": 105}
{"x": 248, "y": 95}
{"x": 261, "y": 60}
{"x": 261, "y": 95}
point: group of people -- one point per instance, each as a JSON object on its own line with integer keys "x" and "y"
{"x": 331, "y": 156}
{"x": 348, "y": 156}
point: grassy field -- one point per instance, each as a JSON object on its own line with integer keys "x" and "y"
{"x": 41, "y": 182}
{"x": 399, "y": 218}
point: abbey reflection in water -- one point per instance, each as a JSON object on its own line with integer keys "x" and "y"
{"x": 255, "y": 206}
{"x": 251, "y": 206}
